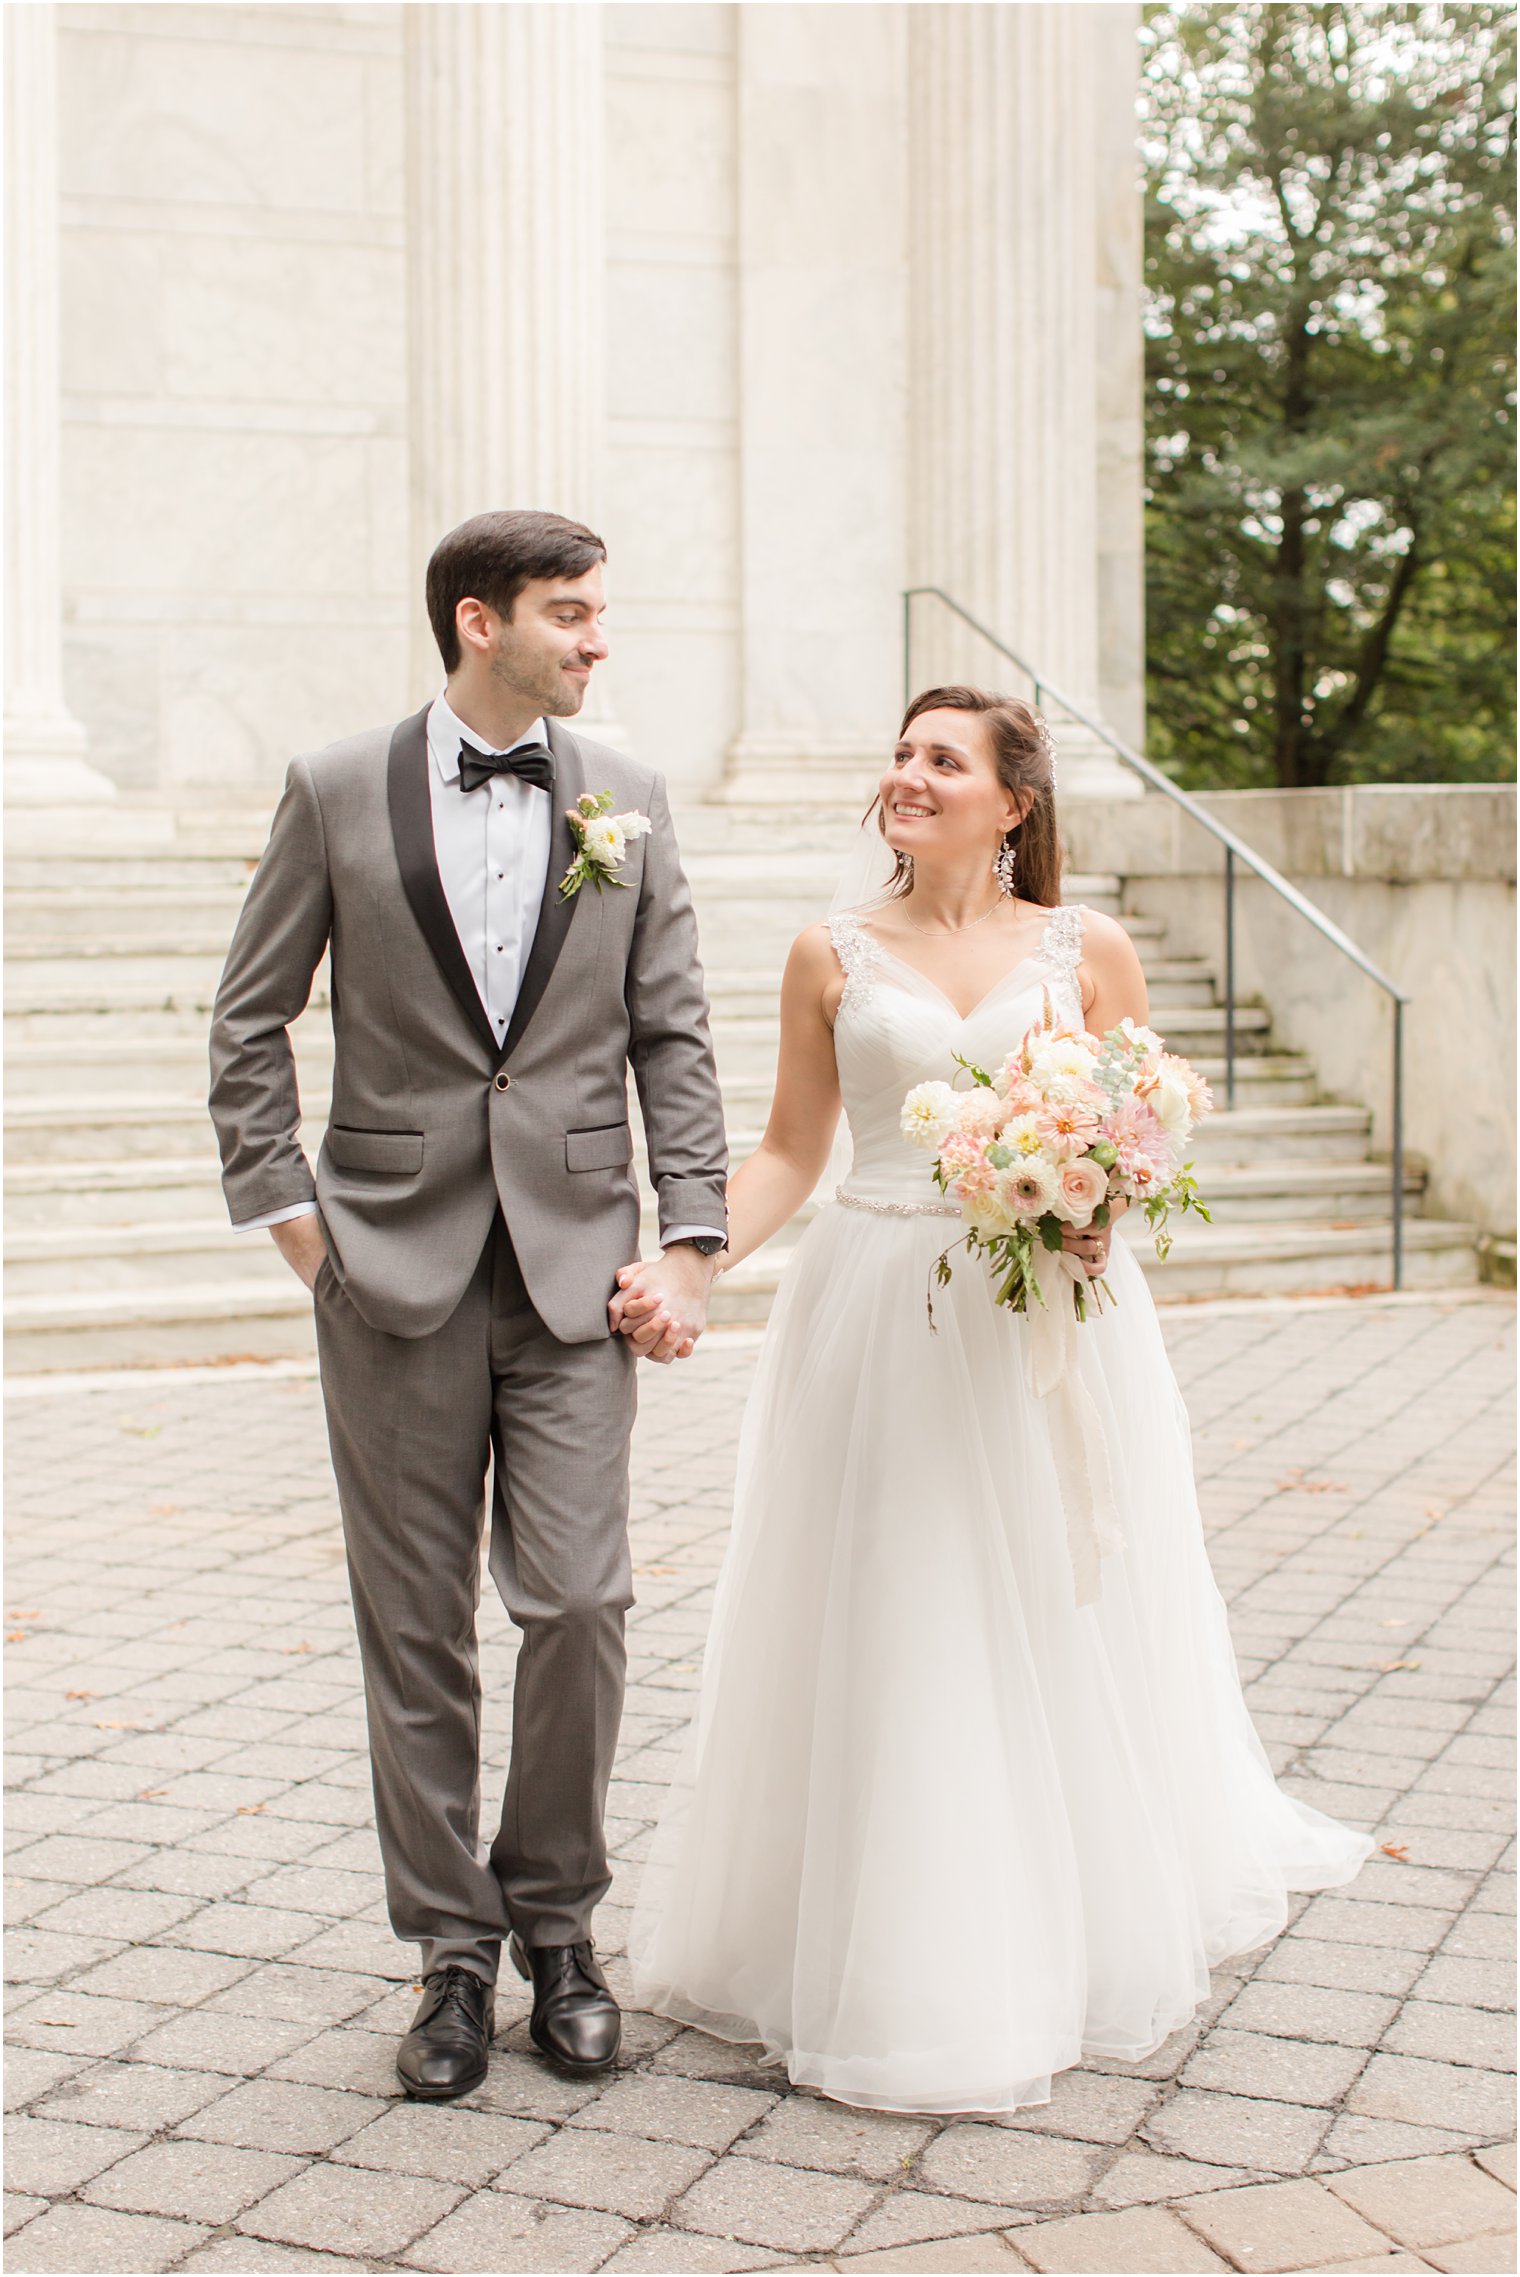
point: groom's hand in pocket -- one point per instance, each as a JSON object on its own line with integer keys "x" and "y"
{"x": 299, "y": 1241}
{"x": 661, "y": 1305}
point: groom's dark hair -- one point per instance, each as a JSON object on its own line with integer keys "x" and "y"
{"x": 491, "y": 557}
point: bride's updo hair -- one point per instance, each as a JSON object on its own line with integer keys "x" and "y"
{"x": 1021, "y": 752}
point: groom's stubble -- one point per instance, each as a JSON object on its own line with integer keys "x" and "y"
{"x": 522, "y": 667}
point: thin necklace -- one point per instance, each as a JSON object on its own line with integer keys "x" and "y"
{"x": 966, "y": 928}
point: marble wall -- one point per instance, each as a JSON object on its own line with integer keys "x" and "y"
{"x": 240, "y": 549}
{"x": 670, "y": 479}
{"x": 233, "y": 375}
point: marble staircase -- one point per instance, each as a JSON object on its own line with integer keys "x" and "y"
{"x": 117, "y": 1250}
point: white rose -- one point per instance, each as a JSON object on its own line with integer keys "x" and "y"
{"x": 604, "y": 841}
{"x": 929, "y": 1115}
{"x": 1146, "y": 1039}
{"x": 634, "y": 825}
{"x": 1169, "y": 1103}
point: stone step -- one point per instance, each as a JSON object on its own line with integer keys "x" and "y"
{"x": 73, "y": 1126}
{"x": 1252, "y": 1260}
{"x": 252, "y": 1317}
{"x": 1305, "y": 1257}
{"x": 214, "y": 1321}
{"x": 116, "y": 1191}
{"x": 174, "y": 1066}
{"x": 747, "y": 1044}
{"x": 1301, "y": 1192}
{"x": 194, "y": 1243}
{"x": 1274, "y": 1133}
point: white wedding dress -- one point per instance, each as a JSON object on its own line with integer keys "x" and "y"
{"x": 942, "y": 1830}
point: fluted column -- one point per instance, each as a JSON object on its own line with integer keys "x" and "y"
{"x": 44, "y": 743}
{"x": 1115, "y": 30}
{"x": 1005, "y": 162}
{"x": 821, "y": 396}
{"x": 506, "y": 249}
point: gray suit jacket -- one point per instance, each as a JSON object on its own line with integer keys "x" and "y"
{"x": 433, "y": 1127}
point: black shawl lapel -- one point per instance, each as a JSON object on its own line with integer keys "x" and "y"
{"x": 411, "y": 813}
{"x": 554, "y": 915}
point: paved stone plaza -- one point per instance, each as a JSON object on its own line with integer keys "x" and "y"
{"x": 205, "y": 1996}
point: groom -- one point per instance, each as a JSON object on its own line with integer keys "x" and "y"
{"x": 472, "y": 1204}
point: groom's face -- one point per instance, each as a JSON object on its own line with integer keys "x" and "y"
{"x": 548, "y": 646}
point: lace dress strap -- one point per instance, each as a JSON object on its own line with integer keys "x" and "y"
{"x": 1060, "y": 951}
{"x": 859, "y": 956}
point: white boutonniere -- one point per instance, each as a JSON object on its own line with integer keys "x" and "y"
{"x": 602, "y": 839}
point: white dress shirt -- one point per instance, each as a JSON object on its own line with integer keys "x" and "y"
{"x": 492, "y": 849}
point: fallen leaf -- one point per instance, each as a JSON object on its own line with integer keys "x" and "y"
{"x": 1296, "y": 1483}
{"x": 165, "y": 1509}
{"x": 17, "y": 1636}
{"x": 1240, "y": 1445}
{"x": 24, "y": 1613}
{"x": 1398, "y": 1850}
{"x": 1403, "y": 1624}
{"x": 1387, "y": 1667}
{"x": 58, "y": 2023}
{"x": 81, "y": 1695}
{"x": 151, "y": 1794}
{"x": 116, "y": 1723}
{"x": 1435, "y": 1510}
{"x": 303, "y": 1646}
{"x": 249, "y": 1810}
{"x": 141, "y": 1430}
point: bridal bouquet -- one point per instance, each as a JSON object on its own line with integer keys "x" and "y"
{"x": 1069, "y": 1123}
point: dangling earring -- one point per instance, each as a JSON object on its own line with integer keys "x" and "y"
{"x": 1005, "y": 864}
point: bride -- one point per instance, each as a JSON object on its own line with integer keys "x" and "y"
{"x": 950, "y": 1820}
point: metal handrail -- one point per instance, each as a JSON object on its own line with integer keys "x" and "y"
{"x": 1235, "y": 850}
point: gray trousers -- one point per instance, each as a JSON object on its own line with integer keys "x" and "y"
{"x": 412, "y": 1422}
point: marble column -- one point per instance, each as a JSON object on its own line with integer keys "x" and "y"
{"x": 821, "y": 394}
{"x": 1006, "y": 154}
{"x": 506, "y": 253}
{"x": 44, "y": 742}
{"x": 1115, "y": 30}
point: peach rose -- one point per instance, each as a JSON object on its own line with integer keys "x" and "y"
{"x": 1083, "y": 1186}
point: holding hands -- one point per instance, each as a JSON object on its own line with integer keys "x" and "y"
{"x": 660, "y": 1304}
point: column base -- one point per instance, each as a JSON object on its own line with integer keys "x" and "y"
{"x": 45, "y": 765}
{"x": 803, "y": 770}
{"x": 1089, "y": 768}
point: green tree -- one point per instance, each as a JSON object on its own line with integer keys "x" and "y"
{"x": 1330, "y": 391}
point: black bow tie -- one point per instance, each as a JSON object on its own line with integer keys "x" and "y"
{"x": 534, "y": 762}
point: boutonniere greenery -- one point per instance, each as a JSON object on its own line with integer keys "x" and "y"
{"x": 601, "y": 839}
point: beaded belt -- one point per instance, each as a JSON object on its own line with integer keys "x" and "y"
{"x": 897, "y": 1209}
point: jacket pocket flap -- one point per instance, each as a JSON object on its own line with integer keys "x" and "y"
{"x": 398, "y": 1151}
{"x": 605, "y": 1149}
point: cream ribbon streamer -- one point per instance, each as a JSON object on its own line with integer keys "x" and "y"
{"x": 1078, "y": 1440}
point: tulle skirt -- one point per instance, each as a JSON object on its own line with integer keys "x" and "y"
{"x": 940, "y": 1831}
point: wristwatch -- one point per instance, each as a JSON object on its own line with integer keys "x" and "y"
{"x": 705, "y": 1244}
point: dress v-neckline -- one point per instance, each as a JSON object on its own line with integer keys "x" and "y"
{"x": 963, "y": 1018}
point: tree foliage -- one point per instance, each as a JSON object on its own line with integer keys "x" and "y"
{"x": 1330, "y": 391}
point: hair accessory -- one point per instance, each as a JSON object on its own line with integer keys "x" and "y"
{"x": 1047, "y": 740}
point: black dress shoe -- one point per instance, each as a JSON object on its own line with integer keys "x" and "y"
{"x": 575, "y": 2018}
{"x": 445, "y": 2052}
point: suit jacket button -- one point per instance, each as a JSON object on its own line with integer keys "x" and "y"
{"x": 503, "y": 1081}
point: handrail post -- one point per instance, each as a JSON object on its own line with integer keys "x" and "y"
{"x": 1229, "y": 976}
{"x": 1398, "y": 1142}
